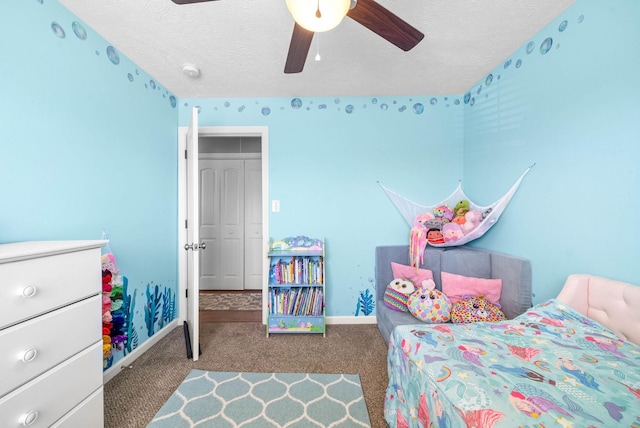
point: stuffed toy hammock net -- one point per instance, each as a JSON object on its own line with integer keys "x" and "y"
{"x": 452, "y": 222}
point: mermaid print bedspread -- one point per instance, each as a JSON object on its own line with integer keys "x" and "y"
{"x": 549, "y": 367}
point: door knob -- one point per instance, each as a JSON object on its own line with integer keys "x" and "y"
{"x": 203, "y": 245}
{"x": 188, "y": 247}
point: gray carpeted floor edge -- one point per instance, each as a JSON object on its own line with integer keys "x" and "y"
{"x": 134, "y": 396}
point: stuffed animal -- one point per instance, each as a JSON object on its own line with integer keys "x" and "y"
{"x": 443, "y": 212}
{"x": 429, "y": 305}
{"x": 461, "y": 208}
{"x": 451, "y": 232}
{"x": 471, "y": 309}
{"x": 473, "y": 219}
{"x": 418, "y": 239}
{"x": 434, "y": 236}
{"x": 397, "y": 293}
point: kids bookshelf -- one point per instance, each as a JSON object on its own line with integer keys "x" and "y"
{"x": 296, "y": 286}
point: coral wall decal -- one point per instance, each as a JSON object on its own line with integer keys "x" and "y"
{"x": 366, "y": 304}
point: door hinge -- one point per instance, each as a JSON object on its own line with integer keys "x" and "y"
{"x": 185, "y": 224}
{"x": 185, "y": 154}
{"x": 186, "y": 293}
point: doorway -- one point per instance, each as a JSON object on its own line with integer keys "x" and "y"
{"x": 230, "y": 213}
{"x": 261, "y": 244}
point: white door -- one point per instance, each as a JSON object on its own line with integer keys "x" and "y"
{"x": 193, "y": 235}
{"x": 222, "y": 224}
{"x": 253, "y": 252}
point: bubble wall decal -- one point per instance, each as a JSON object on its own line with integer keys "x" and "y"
{"x": 488, "y": 80}
{"x": 518, "y": 63}
{"x": 152, "y": 84}
{"x": 467, "y": 97}
{"x": 563, "y": 26}
{"x": 173, "y": 101}
{"x": 113, "y": 56}
{"x": 546, "y": 45}
{"x": 79, "y": 30}
{"x": 130, "y": 77}
{"x": 384, "y": 106}
{"x": 57, "y": 30}
{"x": 530, "y": 47}
{"x": 322, "y": 106}
{"x": 296, "y": 103}
{"x": 348, "y": 109}
{"x": 418, "y": 108}
{"x": 266, "y": 111}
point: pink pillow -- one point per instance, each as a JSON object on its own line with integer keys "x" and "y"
{"x": 408, "y": 272}
{"x": 456, "y": 286}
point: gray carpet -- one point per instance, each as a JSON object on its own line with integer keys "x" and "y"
{"x": 220, "y": 301}
{"x": 135, "y": 395}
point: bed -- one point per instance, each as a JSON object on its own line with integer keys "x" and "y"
{"x": 572, "y": 361}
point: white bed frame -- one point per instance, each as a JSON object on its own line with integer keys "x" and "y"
{"x": 612, "y": 303}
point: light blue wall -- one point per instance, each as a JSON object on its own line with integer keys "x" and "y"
{"x": 575, "y": 112}
{"x": 84, "y": 147}
{"x": 326, "y": 156}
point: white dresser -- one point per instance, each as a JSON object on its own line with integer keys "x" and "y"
{"x": 51, "y": 334}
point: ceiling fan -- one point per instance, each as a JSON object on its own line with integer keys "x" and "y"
{"x": 368, "y": 13}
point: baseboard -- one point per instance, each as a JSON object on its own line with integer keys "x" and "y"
{"x": 351, "y": 320}
{"x": 127, "y": 361}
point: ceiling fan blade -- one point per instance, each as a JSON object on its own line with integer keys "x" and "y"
{"x": 298, "y": 49}
{"x": 386, "y": 24}
{"x": 190, "y": 1}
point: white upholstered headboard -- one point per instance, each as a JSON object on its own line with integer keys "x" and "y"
{"x": 612, "y": 303}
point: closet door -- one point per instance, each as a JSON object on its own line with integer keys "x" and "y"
{"x": 222, "y": 224}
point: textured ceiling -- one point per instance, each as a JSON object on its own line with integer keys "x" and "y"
{"x": 241, "y": 45}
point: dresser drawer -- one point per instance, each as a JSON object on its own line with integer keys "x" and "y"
{"x": 33, "y": 347}
{"x": 35, "y": 286}
{"x": 49, "y": 397}
{"x": 88, "y": 414}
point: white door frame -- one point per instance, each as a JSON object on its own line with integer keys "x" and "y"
{"x": 220, "y": 131}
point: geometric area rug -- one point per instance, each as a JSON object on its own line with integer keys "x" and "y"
{"x": 265, "y": 400}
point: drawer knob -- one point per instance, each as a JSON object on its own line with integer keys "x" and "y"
{"x": 28, "y": 355}
{"x": 29, "y": 418}
{"x": 29, "y": 291}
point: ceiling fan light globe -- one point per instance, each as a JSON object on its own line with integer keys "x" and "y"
{"x": 332, "y": 12}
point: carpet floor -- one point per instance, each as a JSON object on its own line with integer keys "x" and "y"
{"x": 221, "y": 301}
{"x": 135, "y": 395}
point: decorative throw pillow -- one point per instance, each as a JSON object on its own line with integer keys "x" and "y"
{"x": 397, "y": 293}
{"x": 429, "y": 305}
{"x": 475, "y": 309}
{"x": 456, "y": 286}
{"x": 408, "y": 272}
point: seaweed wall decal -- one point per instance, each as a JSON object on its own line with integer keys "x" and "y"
{"x": 152, "y": 309}
{"x": 168, "y": 307}
{"x": 132, "y": 337}
{"x": 366, "y": 304}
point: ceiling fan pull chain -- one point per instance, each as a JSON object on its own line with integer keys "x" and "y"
{"x": 318, "y": 14}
